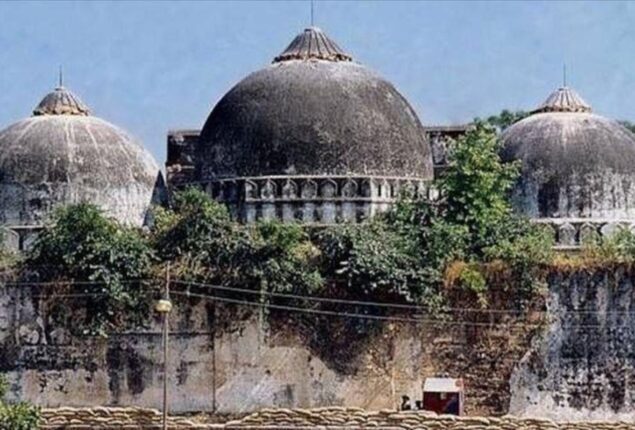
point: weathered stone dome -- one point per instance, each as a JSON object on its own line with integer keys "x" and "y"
{"x": 313, "y": 112}
{"x": 63, "y": 155}
{"x": 575, "y": 164}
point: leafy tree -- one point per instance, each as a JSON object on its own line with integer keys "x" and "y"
{"x": 476, "y": 196}
{"x": 506, "y": 118}
{"x": 476, "y": 185}
{"x": 436, "y": 241}
{"x": 473, "y": 221}
{"x": 82, "y": 245}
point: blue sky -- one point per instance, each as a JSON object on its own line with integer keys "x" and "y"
{"x": 153, "y": 66}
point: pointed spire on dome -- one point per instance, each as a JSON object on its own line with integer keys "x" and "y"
{"x": 61, "y": 102}
{"x": 564, "y": 99}
{"x": 313, "y": 44}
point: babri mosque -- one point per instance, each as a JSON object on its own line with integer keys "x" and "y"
{"x": 314, "y": 137}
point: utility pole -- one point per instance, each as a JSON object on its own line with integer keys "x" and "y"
{"x": 164, "y": 306}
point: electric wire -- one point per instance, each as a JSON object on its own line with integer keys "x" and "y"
{"x": 385, "y": 304}
{"x": 340, "y": 301}
{"x": 143, "y": 283}
{"x": 340, "y": 314}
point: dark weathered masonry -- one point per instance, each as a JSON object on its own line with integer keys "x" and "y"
{"x": 577, "y": 366}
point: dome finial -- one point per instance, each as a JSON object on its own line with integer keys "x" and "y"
{"x": 313, "y": 44}
{"x": 564, "y": 75}
{"x": 564, "y": 99}
{"x": 61, "y": 102}
{"x": 61, "y": 78}
{"x": 312, "y": 24}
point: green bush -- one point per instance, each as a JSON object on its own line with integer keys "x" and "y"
{"x": 17, "y": 416}
{"x": 197, "y": 228}
{"x": 375, "y": 261}
{"x": 506, "y": 118}
{"x": 472, "y": 279}
{"x": 208, "y": 245}
{"x": 284, "y": 259}
{"x": 104, "y": 258}
{"x": 618, "y": 247}
{"x": 199, "y": 236}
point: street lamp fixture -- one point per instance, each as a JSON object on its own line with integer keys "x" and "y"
{"x": 163, "y": 306}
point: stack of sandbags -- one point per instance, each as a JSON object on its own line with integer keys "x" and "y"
{"x": 106, "y": 418}
{"x": 340, "y": 417}
{"x": 329, "y": 418}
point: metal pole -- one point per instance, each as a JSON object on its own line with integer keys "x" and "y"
{"x": 214, "y": 360}
{"x": 165, "y": 350}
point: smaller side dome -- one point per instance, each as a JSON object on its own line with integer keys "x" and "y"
{"x": 63, "y": 154}
{"x": 574, "y": 164}
{"x": 61, "y": 102}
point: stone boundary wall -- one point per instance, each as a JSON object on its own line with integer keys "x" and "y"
{"x": 333, "y": 418}
{"x": 578, "y": 365}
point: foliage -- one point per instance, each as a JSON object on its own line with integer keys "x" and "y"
{"x": 198, "y": 226}
{"x": 618, "y": 247}
{"x": 628, "y": 124}
{"x": 526, "y": 248}
{"x": 375, "y": 260}
{"x": 4, "y": 386}
{"x": 506, "y": 118}
{"x": 207, "y": 244}
{"x": 474, "y": 222}
{"x": 522, "y": 243}
{"x": 84, "y": 246}
{"x": 472, "y": 279}
{"x": 199, "y": 235}
{"x": 476, "y": 186}
{"x": 284, "y": 259}
{"x": 18, "y": 416}
{"x": 436, "y": 241}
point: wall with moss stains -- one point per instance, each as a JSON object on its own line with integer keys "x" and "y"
{"x": 582, "y": 366}
{"x": 579, "y": 365}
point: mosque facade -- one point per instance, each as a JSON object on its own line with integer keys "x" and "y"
{"x": 314, "y": 137}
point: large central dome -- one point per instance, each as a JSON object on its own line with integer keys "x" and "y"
{"x": 313, "y": 112}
